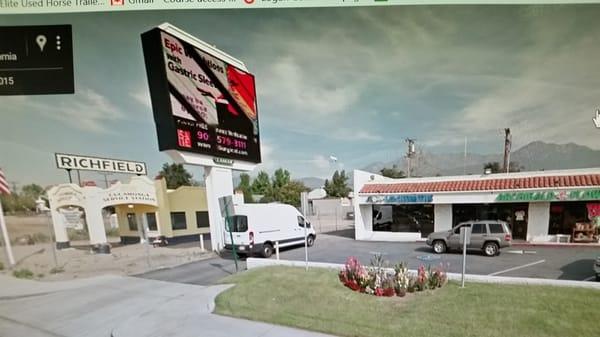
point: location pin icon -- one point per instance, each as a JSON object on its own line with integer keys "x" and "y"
{"x": 41, "y": 41}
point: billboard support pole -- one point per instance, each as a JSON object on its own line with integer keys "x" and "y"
{"x": 70, "y": 178}
{"x": 229, "y": 228}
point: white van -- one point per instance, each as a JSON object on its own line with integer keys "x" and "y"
{"x": 256, "y": 228}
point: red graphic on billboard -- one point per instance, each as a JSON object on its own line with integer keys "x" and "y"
{"x": 184, "y": 138}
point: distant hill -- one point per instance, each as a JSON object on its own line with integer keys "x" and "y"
{"x": 312, "y": 182}
{"x": 534, "y": 156}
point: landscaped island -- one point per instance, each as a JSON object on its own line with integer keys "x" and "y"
{"x": 317, "y": 300}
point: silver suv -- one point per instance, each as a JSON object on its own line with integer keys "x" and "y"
{"x": 486, "y": 235}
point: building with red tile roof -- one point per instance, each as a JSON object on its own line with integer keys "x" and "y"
{"x": 539, "y": 206}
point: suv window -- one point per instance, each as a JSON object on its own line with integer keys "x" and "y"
{"x": 496, "y": 228}
{"x": 239, "y": 223}
{"x": 457, "y": 229}
{"x": 478, "y": 228}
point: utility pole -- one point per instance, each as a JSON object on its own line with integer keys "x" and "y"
{"x": 507, "y": 144}
{"x": 465, "y": 158}
{"x": 409, "y": 154}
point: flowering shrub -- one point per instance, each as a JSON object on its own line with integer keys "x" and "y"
{"x": 354, "y": 275}
{"x": 422, "y": 279}
{"x": 436, "y": 277}
{"x": 380, "y": 280}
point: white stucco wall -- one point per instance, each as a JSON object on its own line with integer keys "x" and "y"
{"x": 538, "y": 222}
{"x": 442, "y": 217}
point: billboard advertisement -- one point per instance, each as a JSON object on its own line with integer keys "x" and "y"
{"x": 202, "y": 104}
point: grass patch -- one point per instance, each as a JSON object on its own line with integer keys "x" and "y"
{"x": 23, "y": 273}
{"x": 77, "y": 234}
{"x": 316, "y": 300}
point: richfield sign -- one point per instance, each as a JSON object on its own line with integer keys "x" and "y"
{"x": 550, "y": 195}
{"x": 87, "y": 163}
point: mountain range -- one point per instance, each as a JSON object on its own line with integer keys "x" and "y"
{"x": 534, "y": 156}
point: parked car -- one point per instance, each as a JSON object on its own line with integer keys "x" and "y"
{"x": 597, "y": 268}
{"x": 488, "y": 236}
{"x": 257, "y": 227}
{"x": 350, "y": 215}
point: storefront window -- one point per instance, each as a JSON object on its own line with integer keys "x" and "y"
{"x": 565, "y": 215}
{"x": 403, "y": 218}
{"x": 178, "y": 220}
{"x": 202, "y": 219}
{"x": 151, "y": 218}
{"x": 132, "y": 221}
{"x": 515, "y": 214}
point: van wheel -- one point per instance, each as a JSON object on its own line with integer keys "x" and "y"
{"x": 490, "y": 248}
{"x": 310, "y": 240}
{"x": 439, "y": 246}
{"x": 267, "y": 250}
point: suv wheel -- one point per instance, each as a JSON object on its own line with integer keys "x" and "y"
{"x": 439, "y": 246}
{"x": 490, "y": 248}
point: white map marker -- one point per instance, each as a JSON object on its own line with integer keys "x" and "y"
{"x": 41, "y": 41}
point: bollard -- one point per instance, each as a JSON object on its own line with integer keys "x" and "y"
{"x": 277, "y": 250}
{"x": 202, "y": 242}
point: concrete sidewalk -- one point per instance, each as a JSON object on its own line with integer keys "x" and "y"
{"x": 121, "y": 306}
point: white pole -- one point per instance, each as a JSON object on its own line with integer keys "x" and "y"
{"x": 464, "y": 260}
{"x": 9, "y": 253}
{"x": 305, "y": 246}
{"x": 465, "y": 158}
{"x": 277, "y": 250}
{"x": 202, "y": 242}
{"x": 52, "y": 241}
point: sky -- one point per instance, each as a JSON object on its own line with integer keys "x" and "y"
{"x": 346, "y": 82}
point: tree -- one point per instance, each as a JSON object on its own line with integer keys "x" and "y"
{"x": 281, "y": 177}
{"x": 496, "y": 168}
{"x": 176, "y": 175}
{"x": 338, "y": 187}
{"x": 29, "y": 194}
{"x": 261, "y": 183}
{"x": 245, "y": 187}
{"x": 493, "y": 166}
{"x": 393, "y": 172}
{"x": 32, "y": 191}
{"x": 290, "y": 193}
{"x": 280, "y": 188}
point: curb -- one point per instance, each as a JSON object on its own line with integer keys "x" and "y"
{"x": 252, "y": 263}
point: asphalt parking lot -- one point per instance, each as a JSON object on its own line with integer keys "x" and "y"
{"x": 565, "y": 263}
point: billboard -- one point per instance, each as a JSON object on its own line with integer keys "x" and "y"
{"x": 202, "y": 103}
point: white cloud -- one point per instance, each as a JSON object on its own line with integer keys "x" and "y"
{"x": 289, "y": 86}
{"x": 86, "y": 110}
{"x": 142, "y": 97}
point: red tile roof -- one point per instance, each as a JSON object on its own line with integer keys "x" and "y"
{"x": 485, "y": 184}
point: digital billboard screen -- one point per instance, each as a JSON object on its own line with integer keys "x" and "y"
{"x": 202, "y": 104}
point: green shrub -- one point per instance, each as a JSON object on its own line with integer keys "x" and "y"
{"x": 1, "y": 266}
{"x": 40, "y": 275}
{"x": 40, "y": 237}
{"x": 77, "y": 234}
{"x": 23, "y": 273}
{"x": 113, "y": 232}
{"x": 57, "y": 270}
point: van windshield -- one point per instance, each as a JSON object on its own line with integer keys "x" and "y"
{"x": 239, "y": 223}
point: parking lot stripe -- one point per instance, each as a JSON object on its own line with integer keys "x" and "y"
{"x": 518, "y": 267}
